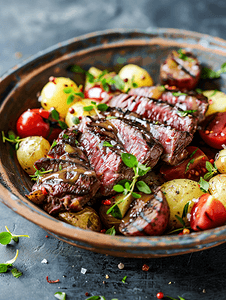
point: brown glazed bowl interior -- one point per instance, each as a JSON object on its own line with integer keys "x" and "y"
{"x": 105, "y": 50}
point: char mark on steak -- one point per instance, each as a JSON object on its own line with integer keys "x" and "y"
{"x": 105, "y": 160}
{"x": 155, "y": 111}
{"x": 173, "y": 141}
{"x": 68, "y": 182}
{"x": 181, "y": 69}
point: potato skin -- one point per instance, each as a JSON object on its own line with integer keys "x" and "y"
{"x": 30, "y": 150}
{"x": 220, "y": 161}
{"x": 53, "y": 95}
{"x": 76, "y": 111}
{"x": 135, "y": 74}
{"x": 217, "y": 188}
{"x": 217, "y": 101}
{"x": 85, "y": 219}
{"x": 178, "y": 192}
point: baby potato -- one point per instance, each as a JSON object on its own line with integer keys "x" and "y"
{"x": 217, "y": 101}
{"x": 217, "y": 188}
{"x": 31, "y": 149}
{"x": 77, "y": 110}
{"x": 220, "y": 161}
{"x": 53, "y": 95}
{"x": 135, "y": 74}
{"x": 178, "y": 193}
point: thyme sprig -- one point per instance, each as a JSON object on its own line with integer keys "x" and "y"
{"x": 39, "y": 173}
{"x": 12, "y": 138}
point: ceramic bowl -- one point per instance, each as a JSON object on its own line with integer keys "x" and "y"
{"x": 108, "y": 49}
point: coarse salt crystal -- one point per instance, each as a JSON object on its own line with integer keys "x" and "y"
{"x": 44, "y": 261}
{"x": 83, "y": 271}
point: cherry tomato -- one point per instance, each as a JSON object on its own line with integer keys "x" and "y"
{"x": 207, "y": 213}
{"x": 96, "y": 92}
{"x": 32, "y": 123}
{"x": 213, "y": 130}
{"x": 192, "y": 167}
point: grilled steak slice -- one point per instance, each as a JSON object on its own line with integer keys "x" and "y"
{"x": 155, "y": 111}
{"x": 190, "y": 101}
{"x": 68, "y": 182}
{"x": 181, "y": 69}
{"x": 173, "y": 141}
{"x": 105, "y": 160}
{"x": 148, "y": 216}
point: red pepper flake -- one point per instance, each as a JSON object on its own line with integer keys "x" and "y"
{"x": 52, "y": 281}
{"x": 145, "y": 267}
{"x": 52, "y": 79}
{"x": 211, "y": 161}
{"x": 168, "y": 140}
{"x": 203, "y": 158}
{"x": 80, "y": 118}
{"x": 125, "y": 80}
{"x": 106, "y": 202}
{"x": 103, "y": 231}
{"x": 207, "y": 132}
{"x": 71, "y": 110}
{"x": 44, "y": 191}
{"x": 86, "y": 294}
{"x": 210, "y": 101}
{"x": 142, "y": 77}
{"x": 47, "y": 236}
{"x": 160, "y": 295}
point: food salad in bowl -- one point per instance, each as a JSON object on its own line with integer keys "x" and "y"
{"x": 120, "y": 151}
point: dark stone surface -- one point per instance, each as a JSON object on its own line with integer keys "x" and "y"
{"x": 27, "y": 27}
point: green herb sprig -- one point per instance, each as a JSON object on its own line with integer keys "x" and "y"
{"x": 210, "y": 74}
{"x": 204, "y": 185}
{"x": 212, "y": 170}
{"x": 72, "y": 94}
{"x": 124, "y": 279}
{"x": 12, "y": 138}
{"x": 111, "y": 231}
{"x": 39, "y": 173}
{"x": 6, "y": 237}
{"x": 96, "y": 298}
{"x": 177, "y": 94}
{"x": 127, "y": 187}
{"x": 60, "y": 295}
{"x": 5, "y": 266}
{"x": 183, "y": 56}
{"x": 184, "y": 113}
{"x": 181, "y": 219}
{"x": 55, "y": 115}
{"x": 96, "y": 107}
{"x": 180, "y": 298}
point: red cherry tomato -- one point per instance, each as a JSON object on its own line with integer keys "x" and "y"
{"x": 207, "y": 213}
{"x": 213, "y": 130}
{"x": 96, "y": 92}
{"x": 32, "y": 123}
{"x": 192, "y": 167}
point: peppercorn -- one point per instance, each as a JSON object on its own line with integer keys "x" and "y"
{"x": 160, "y": 295}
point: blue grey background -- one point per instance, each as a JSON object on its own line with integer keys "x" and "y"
{"x": 27, "y": 27}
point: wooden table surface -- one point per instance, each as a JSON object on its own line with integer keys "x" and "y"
{"x": 27, "y": 27}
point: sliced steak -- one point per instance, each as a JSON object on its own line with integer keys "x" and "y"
{"x": 68, "y": 182}
{"x": 155, "y": 111}
{"x": 173, "y": 141}
{"x": 192, "y": 101}
{"x": 148, "y": 216}
{"x": 181, "y": 69}
{"x": 105, "y": 160}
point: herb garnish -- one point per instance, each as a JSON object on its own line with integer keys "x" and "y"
{"x": 53, "y": 144}
{"x": 96, "y": 298}
{"x": 188, "y": 165}
{"x": 95, "y": 106}
{"x": 180, "y": 298}
{"x": 184, "y": 113}
{"x": 39, "y": 173}
{"x": 177, "y": 94}
{"x": 208, "y": 73}
{"x": 4, "y": 267}
{"x": 183, "y": 56}
{"x": 127, "y": 187}
{"x": 6, "y": 237}
{"x": 60, "y": 295}
{"x": 214, "y": 93}
{"x": 55, "y": 115}
{"x": 204, "y": 185}
{"x": 16, "y": 273}
{"x": 181, "y": 219}
{"x": 107, "y": 144}
{"x": 212, "y": 171}
{"x": 75, "y": 120}
{"x": 110, "y": 117}
{"x": 72, "y": 94}
{"x": 199, "y": 91}
{"x": 124, "y": 279}
{"x": 12, "y": 138}
{"x": 111, "y": 231}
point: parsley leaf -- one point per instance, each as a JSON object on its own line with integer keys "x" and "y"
{"x": 16, "y": 273}
{"x": 212, "y": 171}
{"x": 107, "y": 144}
{"x": 60, "y": 295}
{"x": 204, "y": 185}
{"x": 88, "y": 108}
{"x": 184, "y": 113}
{"x": 6, "y": 237}
{"x": 183, "y": 56}
{"x": 208, "y": 73}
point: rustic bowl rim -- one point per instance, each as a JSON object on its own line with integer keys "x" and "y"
{"x": 87, "y": 238}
